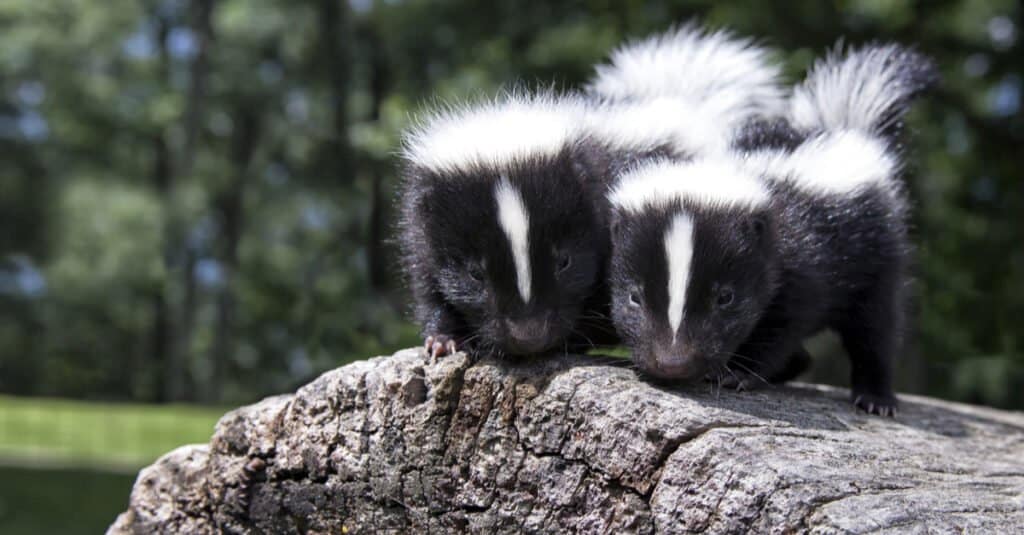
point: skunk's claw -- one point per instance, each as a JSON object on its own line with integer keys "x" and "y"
{"x": 741, "y": 381}
{"x": 884, "y": 405}
{"x": 439, "y": 345}
{"x": 737, "y": 380}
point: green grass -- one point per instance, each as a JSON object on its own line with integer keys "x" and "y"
{"x": 65, "y": 501}
{"x": 621, "y": 352}
{"x": 68, "y": 466}
{"x": 113, "y": 435}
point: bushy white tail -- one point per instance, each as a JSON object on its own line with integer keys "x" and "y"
{"x": 867, "y": 89}
{"x": 730, "y": 76}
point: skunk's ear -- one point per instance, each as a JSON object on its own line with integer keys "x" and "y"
{"x": 757, "y": 226}
{"x": 589, "y": 162}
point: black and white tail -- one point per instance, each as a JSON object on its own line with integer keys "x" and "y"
{"x": 732, "y": 76}
{"x": 868, "y": 89}
{"x": 848, "y": 112}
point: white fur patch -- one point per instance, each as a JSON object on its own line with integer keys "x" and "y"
{"x": 855, "y": 91}
{"x": 515, "y": 222}
{"x": 729, "y": 75}
{"x": 494, "y": 134}
{"x": 646, "y": 125}
{"x": 832, "y": 164}
{"x": 679, "y": 253}
{"x": 715, "y": 182}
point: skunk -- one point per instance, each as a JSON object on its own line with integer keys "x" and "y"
{"x": 501, "y": 233}
{"x": 503, "y": 228}
{"x": 722, "y": 265}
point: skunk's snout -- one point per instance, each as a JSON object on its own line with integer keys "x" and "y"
{"x": 673, "y": 361}
{"x": 528, "y": 335}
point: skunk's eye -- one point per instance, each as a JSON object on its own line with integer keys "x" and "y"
{"x": 634, "y": 298}
{"x": 725, "y": 297}
{"x": 564, "y": 261}
{"x": 476, "y": 272}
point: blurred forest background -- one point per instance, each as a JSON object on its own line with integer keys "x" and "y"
{"x": 196, "y": 196}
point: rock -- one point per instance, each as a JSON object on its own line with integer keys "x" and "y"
{"x": 398, "y": 444}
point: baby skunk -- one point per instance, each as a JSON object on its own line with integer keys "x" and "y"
{"x": 502, "y": 237}
{"x": 504, "y": 228}
{"x": 730, "y": 261}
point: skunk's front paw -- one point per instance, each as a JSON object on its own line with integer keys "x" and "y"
{"x": 439, "y": 345}
{"x": 739, "y": 380}
{"x": 880, "y": 404}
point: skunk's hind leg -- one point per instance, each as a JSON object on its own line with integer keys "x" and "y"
{"x": 871, "y": 333}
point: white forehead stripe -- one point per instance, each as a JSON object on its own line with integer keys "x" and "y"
{"x": 831, "y": 164}
{"x": 679, "y": 253}
{"x": 712, "y": 182}
{"x": 515, "y": 222}
{"x": 494, "y": 134}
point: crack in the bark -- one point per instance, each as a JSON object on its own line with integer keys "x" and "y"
{"x": 818, "y": 505}
{"x": 766, "y": 500}
{"x": 565, "y": 415}
{"x": 458, "y": 385}
{"x": 673, "y": 445}
{"x": 715, "y": 513}
{"x": 560, "y": 453}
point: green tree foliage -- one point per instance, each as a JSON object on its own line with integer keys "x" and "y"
{"x": 196, "y": 197}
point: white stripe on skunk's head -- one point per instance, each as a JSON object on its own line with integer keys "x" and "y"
{"x": 867, "y": 89}
{"x": 715, "y": 69}
{"x": 707, "y": 182}
{"x": 838, "y": 163}
{"x": 651, "y": 124}
{"x": 515, "y": 223}
{"x": 495, "y": 134}
{"x": 679, "y": 254}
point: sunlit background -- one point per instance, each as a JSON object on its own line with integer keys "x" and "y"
{"x": 196, "y": 201}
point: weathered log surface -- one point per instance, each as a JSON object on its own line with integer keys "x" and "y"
{"x": 399, "y": 444}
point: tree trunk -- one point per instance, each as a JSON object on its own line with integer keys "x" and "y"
{"x": 171, "y": 330}
{"x": 162, "y": 330}
{"x": 230, "y": 207}
{"x": 577, "y": 444}
{"x": 335, "y": 49}
{"x": 379, "y": 83}
{"x": 202, "y": 28}
{"x": 199, "y": 71}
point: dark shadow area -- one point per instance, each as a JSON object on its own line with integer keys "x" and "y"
{"x": 808, "y": 406}
{"x": 60, "y": 500}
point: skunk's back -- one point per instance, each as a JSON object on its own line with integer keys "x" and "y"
{"x": 715, "y": 69}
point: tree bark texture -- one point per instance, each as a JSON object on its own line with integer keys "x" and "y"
{"x": 580, "y": 444}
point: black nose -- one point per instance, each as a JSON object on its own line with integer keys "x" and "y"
{"x": 528, "y": 335}
{"x": 673, "y": 362}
